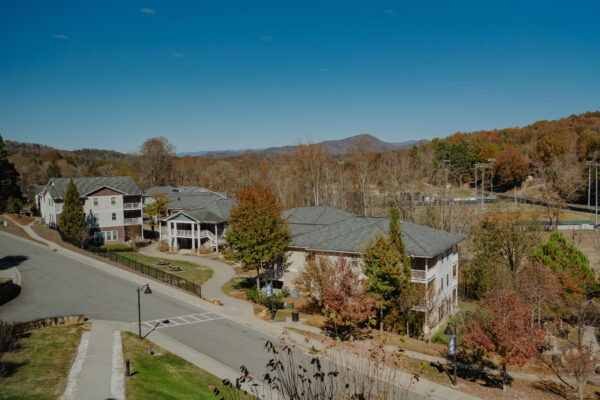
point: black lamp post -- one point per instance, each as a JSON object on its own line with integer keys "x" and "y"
{"x": 146, "y": 289}
{"x": 452, "y": 348}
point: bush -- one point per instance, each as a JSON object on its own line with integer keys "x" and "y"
{"x": 163, "y": 246}
{"x": 261, "y": 298}
{"x": 14, "y": 205}
{"x": 116, "y": 247}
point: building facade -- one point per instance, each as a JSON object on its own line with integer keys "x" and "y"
{"x": 320, "y": 231}
{"x": 113, "y": 206}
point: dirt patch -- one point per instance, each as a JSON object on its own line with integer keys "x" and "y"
{"x": 22, "y": 219}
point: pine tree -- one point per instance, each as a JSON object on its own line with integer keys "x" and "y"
{"x": 9, "y": 178}
{"x": 389, "y": 272}
{"x": 258, "y": 237}
{"x": 72, "y": 218}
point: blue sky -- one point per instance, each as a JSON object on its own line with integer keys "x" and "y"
{"x": 248, "y": 74}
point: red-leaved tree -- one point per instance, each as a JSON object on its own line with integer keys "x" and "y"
{"x": 504, "y": 328}
{"x": 345, "y": 297}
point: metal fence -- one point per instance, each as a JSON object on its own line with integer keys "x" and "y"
{"x": 149, "y": 270}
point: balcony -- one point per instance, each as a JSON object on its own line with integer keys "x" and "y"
{"x": 132, "y": 206}
{"x": 422, "y": 276}
{"x": 132, "y": 221}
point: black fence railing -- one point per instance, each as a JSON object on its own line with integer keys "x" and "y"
{"x": 149, "y": 270}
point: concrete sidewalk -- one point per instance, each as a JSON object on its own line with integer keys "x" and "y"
{"x": 235, "y": 309}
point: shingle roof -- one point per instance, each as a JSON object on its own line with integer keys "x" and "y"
{"x": 57, "y": 187}
{"x": 198, "y": 203}
{"x": 330, "y": 229}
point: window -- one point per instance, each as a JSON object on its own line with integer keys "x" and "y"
{"x": 447, "y": 277}
{"x": 95, "y": 202}
{"x": 354, "y": 261}
{"x": 114, "y": 216}
{"x": 113, "y": 201}
{"x": 442, "y": 284}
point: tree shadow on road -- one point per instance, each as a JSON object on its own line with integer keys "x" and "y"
{"x": 7, "y": 262}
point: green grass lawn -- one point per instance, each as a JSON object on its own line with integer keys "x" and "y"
{"x": 39, "y": 367}
{"x": 164, "y": 375}
{"x": 193, "y": 272}
{"x": 465, "y": 307}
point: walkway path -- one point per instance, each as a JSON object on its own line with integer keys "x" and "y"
{"x": 235, "y": 309}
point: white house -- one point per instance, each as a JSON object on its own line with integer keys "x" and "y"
{"x": 329, "y": 232}
{"x": 112, "y": 205}
{"x": 195, "y": 216}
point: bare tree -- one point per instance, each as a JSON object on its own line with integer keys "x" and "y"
{"x": 155, "y": 161}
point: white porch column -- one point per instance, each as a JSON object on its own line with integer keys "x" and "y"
{"x": 170, "y": 238}
{"x": 159, "y": 232}
{"x": 216, "y": 239}
{"x": 176, "y": 244}
{"x": 193, "y": 237}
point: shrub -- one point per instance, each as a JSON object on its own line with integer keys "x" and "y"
{"x": 117, "y": 247}
{"x": 261, "y": 298}
{"x": 14, "y": 205}
{"x": 163, "y": 246}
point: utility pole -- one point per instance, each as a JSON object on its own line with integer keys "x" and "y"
{"x": 491, "y": 161}
{"x": 483, "y": 167}
{"x": 589, "y": 163}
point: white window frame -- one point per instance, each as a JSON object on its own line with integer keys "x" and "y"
{"x": 95, "y": 202}
{"x": 113, "y": 216}
{"x": 113, "y": 201}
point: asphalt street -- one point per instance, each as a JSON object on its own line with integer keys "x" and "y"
{"x": 54, "y": 285}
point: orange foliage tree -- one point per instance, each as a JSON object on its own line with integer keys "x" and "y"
{"x": 504, "y": 328}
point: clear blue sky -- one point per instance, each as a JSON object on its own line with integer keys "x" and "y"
{"x": 248, "y": 74}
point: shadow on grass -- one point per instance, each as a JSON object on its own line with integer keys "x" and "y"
{"x": 556, "y": 388}
{"x": 8, "y": 368}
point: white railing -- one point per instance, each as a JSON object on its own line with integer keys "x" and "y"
{"x": 420, "y": 275}
{"x": 129, "y": 206}
{"x": 133, "y": 221}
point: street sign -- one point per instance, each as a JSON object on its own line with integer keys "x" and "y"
{"x": 269, "y": 289}
{"x": 452, "y": 345}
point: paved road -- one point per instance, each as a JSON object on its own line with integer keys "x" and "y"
{"x": 57, "y": 285}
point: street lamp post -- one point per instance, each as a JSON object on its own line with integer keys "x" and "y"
{"x": 595, "y": 165}
{"x": 146, "y": 289}
{"x": 483, "y": 167}
{"x": 452, "y": 348}
{"x": 589, "y": 163}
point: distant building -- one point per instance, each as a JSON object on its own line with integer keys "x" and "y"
{"x": 195, "y": 217}
{"x": 112, "y": 205}
{"x": 328, "y": 232}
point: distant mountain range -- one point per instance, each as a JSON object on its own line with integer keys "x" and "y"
{"x": 334, "y": 147}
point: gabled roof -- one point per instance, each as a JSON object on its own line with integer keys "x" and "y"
{"x": 57, "y": 187}
{"x": 201, "y": 204}
{"x": 330, "y": 229}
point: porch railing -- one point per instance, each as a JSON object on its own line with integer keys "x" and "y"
{"x": 129, "y": 206}
{"x": 420, "y": 275}
{"x": 133, "y": 221}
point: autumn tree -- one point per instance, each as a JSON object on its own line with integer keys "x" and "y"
{"x": 347, "y": 303}
{"x": 155, "y": 161}
{"x": 388, "y": 268}
{"x": 258, "y": 237}
{"x": 539, "y": 288}
{"x": 503, "y": 328}
{"x": 510, "y": 169}
{"x": 158, "y": 207}
{"x": 72, "y": 218}
{"x": 501, "y": 243}
{"x": 309, "y": 163}
{"x": 9, "y": 178}
{"x": 311, "y": 278}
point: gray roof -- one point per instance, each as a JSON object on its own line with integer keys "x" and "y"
{"x": 38, "y": 189}
{"x": 57, "y": 187}
{"x": 196, "y": 202}
{"x": 329, "y": 229}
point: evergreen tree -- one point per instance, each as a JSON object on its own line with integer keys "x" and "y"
{"x": 258, "y": 237}
{"x": 566, "y": 260}
{"x": 389, "y": 272}
{"x": 52, "y": 171}
{"x": 9, "y": 178}
{"x": 72, "y": 218}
